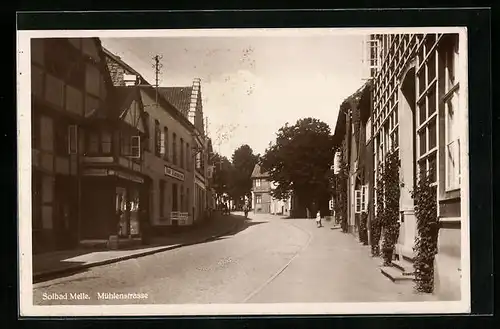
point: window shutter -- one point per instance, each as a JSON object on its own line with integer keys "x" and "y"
{"x": 72, "y": 139}
{"x": 357, "y": 198}
{"x": 364, "y": 197}
{"x": 135, "y": 147}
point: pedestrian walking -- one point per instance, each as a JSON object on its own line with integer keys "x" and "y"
{"x": 318, "y": 219}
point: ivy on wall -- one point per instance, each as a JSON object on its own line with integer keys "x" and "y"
{"x": 376, "y": 223}
{"x": 341, "y": 195}
{"x": 363, "y": 229}
{"x": 390, "y": 218}
{"x": 425, "y": 246}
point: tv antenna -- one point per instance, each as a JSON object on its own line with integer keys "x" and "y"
{"x": 157, "y": 66}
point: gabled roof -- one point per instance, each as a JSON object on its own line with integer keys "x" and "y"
{"x": 180, "y": 97}
{"x": 129, "y": 68}
{"x": 353, "y": 103}
{"x": 123, "y": 97}
{"x": 258, "y": 173}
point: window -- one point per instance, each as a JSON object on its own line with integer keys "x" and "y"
{"x": 361, "y": 199}
{"x": 47, "y": 134}
{"x": 72, "y": 139}
{"x": 188, "y": 152}
{"x": 357, "y": 198}
{"x": 258, "y": 199}
{"x": 92, "y": 142}
{"x": 427, "y": 109}
{"x": 106, "y": 142}
{"x": 257, "y": 183}
{"x": 135, "y": 147}
{"x": 364, "y": 198}
{"x": 182, "y": 153}
{"x": 368, "y": 132}
{"x": 161, "y": 200}
{"x": 175, "y": 204}
{"x": 147, "y": 118}
{"x": 174, "y": 148}
{"x": 162, "y": 143}
{"x": 183, "y": 206}
{"x": 61, "y": 138}
{"x": 451, "y": 106}
{"x": 198, "y": 160}
{"x": 157, "y": 139}
{"x": 165, "y": 143}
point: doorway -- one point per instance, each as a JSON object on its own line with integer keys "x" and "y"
{"x": 122, "y": 212}
{"x": 407, "y": 150}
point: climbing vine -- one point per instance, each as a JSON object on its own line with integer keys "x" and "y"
{"x": 376, "y": 223}
{"x": 363, "y": 229}
{"x": 390, "y": 222}
{"x": 341, "y": 195}
{"x": 425, "y": 247}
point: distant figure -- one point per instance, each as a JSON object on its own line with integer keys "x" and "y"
{"x": 318, "y": 219}
{"x": 246, "y": 209}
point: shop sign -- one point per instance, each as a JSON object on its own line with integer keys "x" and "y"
{"x": 128, "y": 176}
{"x": 174, "y": 173}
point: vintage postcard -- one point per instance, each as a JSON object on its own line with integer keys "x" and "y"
{"x": 243, "y": 171}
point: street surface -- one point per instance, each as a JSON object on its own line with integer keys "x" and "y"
{"x": 271, "y": 260}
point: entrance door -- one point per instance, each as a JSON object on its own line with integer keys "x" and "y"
{"x": 134, "y": 212}
{"x": 64, "y": 213}
{"x": 122, "y": 212}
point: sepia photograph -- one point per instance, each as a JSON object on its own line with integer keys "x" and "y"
{"x": 243, "y": 171}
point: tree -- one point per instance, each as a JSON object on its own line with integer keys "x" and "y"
{"x": 221, "y": 175}
{"x": 243, "y": 161}
{"x": 299, "y": 162}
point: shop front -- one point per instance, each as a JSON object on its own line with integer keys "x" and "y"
{"x": 114, "y": 206}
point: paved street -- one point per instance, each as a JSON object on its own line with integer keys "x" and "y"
{"x": 269, "y": 260}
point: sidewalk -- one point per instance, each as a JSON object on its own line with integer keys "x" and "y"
{"x": 52, "y": 264}
{"x": 334, "y": 267}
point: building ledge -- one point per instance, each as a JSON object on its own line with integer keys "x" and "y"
{"x": 450, "y": 222}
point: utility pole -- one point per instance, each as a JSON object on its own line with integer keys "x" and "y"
{"x": 157, "y": 65}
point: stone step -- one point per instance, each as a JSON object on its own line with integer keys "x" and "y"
{"x": 404, "y": 266}
{"x": 395, "y": 274}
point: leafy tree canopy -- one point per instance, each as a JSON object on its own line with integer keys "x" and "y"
{"x": 299, "y": 160}
{"x": 243, "y": 161}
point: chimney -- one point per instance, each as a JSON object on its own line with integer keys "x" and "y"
{"x": 194, "y": 100}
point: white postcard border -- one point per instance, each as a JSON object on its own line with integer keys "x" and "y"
{"x": 24, "y": 182}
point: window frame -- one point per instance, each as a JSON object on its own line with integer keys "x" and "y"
{"x": 451, "y": 93}
{"x": 427, "y": 161}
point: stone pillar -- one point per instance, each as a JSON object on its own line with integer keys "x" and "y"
{"x": 408, "y": 229}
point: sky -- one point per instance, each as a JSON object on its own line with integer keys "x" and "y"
{"x": 253, "y": 85}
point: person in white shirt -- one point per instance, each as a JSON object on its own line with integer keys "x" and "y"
{"x": 318, "y": 219}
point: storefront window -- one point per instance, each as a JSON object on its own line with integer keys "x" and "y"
{"x": 106, "y": 142}
{"x": 134, "y": 212}
{"x": 93, "y": 142}
{"x": 121, "y": 203}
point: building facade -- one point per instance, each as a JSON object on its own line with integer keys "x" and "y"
{"x": 352, "y": 136}
{"x": 419, "y": 110}
{"x": 175, "y": 156}
{"x": 262, "y": 200}
{"x": 69, "y": 80}
{"x": 114, "y": 184}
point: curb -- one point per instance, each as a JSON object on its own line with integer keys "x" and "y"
{"x": 45, "y": 276}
